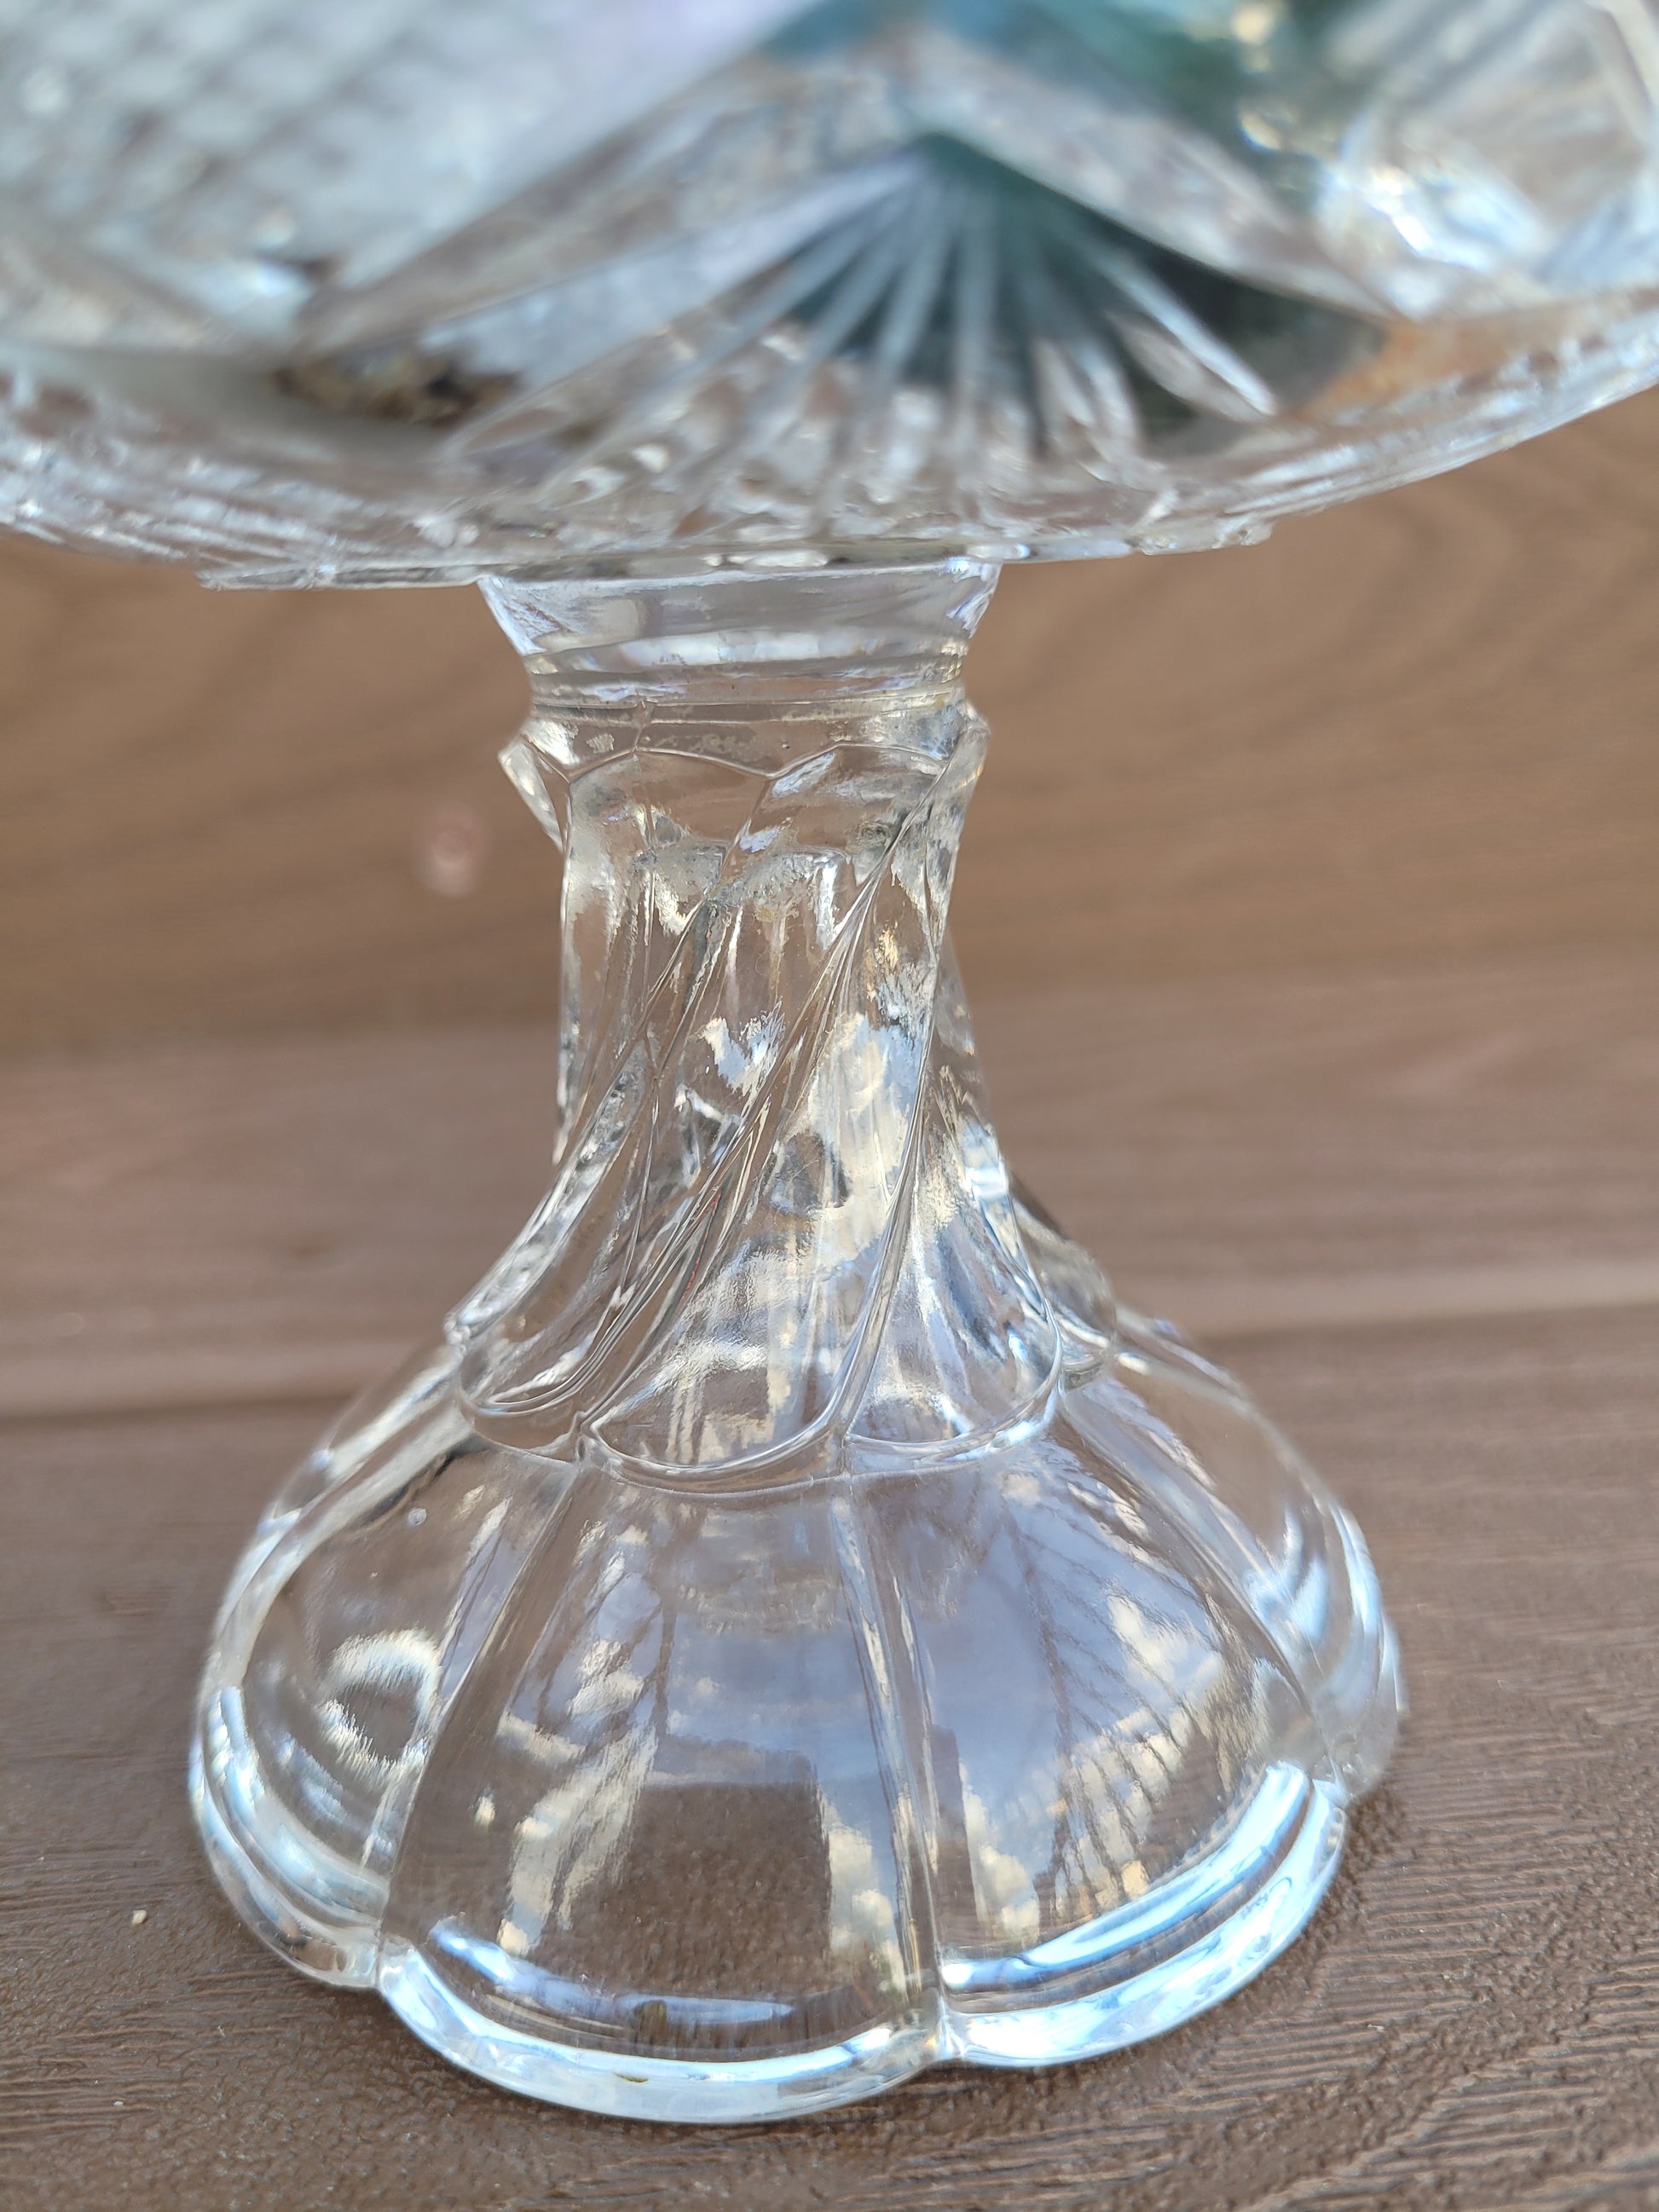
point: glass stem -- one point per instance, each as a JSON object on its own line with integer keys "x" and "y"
{"x": 780, "y": 1233}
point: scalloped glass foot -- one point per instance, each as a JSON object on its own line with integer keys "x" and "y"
{"x": 727, "y": 1808}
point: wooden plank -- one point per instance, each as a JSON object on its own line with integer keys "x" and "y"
{"x": 1416, "y": 726}
{"x": 1467, "y": 2023}
{"x": 281, "y": 1218}
{"x": 1421, "y": 723}
{"x": 218, "y": 1222}
{"x": 213, "y": 806}
{"x": 1258, "y": 1153}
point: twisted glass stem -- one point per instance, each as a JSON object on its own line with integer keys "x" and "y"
{"x": 780, "y": 1234}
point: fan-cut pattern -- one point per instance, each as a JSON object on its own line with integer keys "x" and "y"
{"x": 299, "y": 291}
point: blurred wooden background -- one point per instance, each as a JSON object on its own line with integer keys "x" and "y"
{"x": 1419, "y": 726}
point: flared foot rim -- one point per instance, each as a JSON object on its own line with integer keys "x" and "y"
{"x": 1204, "y": 1935}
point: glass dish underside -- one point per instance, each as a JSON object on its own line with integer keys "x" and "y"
{"x": 298, "y": 293}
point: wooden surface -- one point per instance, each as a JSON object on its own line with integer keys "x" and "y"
{"x": 207, "y": 1223}
{"x": 1421, "y": 723}
{"x": 1418, "y": 1210}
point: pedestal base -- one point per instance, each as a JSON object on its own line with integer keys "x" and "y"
{"x": 801, "y": 1629}
{"x": 702, "y": 1808}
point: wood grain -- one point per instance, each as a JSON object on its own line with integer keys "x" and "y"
{"x": 219, "y": 1222}
{"x": 1419, "y": 724}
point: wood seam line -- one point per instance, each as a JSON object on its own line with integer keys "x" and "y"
{"x": 33, "y": 1388}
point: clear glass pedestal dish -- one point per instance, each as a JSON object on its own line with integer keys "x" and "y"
{"x": 796, "y": 1628}
{"x": 793, "y": 1627}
